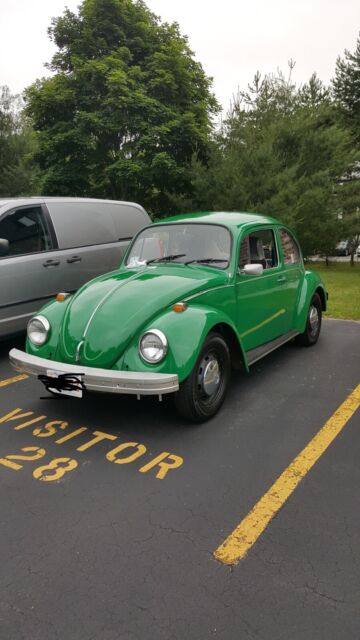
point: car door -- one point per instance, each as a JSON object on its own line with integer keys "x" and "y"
{"x": 260, "y": 303}
{"x": 85, "y": 233}
{"x": 293, "y": 273}
{"x": 29, "y": 272}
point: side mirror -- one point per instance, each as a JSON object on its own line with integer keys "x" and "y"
{"x": 252, "y": 270}
{"x": 4, "y": 247}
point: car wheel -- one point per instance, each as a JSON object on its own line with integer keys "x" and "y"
{"x": 201, "y": 395}
{"x": 313, "y": 323}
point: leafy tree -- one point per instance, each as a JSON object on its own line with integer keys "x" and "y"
{"x": 126, "y": 108}
{"x": 18, "y": 175}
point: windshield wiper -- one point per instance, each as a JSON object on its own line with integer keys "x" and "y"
{"x": 206, "y": 260}
{"x": 167, "y": 258}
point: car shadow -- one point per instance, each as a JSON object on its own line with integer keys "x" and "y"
{"x": 137, "y": 418}
{"x": 6, "y": 345}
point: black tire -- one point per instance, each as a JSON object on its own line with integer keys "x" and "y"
{"x": 313, "y": 323}
{"x": 202, "y": 393}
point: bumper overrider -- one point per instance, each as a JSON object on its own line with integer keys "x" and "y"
{"x": 105, "y": 380}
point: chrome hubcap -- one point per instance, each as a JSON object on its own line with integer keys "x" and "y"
{"x": 209, "y": 375}
{"x": 313, "y": 319}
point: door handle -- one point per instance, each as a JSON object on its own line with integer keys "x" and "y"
{"x": 281, "y": 279}
{"x": 51, "y": 263}
{"x": 73, "y": 259}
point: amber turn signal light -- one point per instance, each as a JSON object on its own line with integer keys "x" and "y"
{"x": 61, "y": 297}
{"x": 179, "y": 307}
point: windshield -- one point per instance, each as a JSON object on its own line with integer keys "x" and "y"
{"x": 186, "y": 243}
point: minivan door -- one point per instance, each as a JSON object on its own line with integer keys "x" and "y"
{"x": 85, "y": 235}
{"x": 29, "y": 272}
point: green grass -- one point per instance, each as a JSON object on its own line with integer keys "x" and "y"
{"x": 343, "y": 284}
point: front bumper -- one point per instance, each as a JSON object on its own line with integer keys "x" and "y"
{"x": 105, "y": 380}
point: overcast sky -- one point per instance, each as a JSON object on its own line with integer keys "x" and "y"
{"x": 232, "y": 39}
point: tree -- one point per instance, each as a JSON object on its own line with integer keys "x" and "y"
{"x": 126, "y": 108}
{"x": 18, "y": 175}
{"x": 346, "y": 90}
{"x": 282, "y": 151}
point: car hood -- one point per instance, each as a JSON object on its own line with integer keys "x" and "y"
{"x": 106, "y": 314}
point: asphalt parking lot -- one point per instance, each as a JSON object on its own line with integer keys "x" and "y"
{"x": 111, "y": 517}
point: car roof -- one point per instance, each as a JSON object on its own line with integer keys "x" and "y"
{"x": 233, "y": 219}
{"x": 22, "y": 201}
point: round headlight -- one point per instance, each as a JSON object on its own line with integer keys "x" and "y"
{"x": 153, "y": 346}
{"x": 38, "y": 330}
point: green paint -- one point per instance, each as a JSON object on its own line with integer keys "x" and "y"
{"x": 111, "y": 312}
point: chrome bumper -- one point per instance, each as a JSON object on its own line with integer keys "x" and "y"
{"x": 105, "y": 380}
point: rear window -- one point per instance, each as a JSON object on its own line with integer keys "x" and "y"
{"x": 79, "y": 224}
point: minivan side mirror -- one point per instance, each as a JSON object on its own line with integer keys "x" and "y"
{"x": 252, "y": 270}
{"x": 4, "y": 247}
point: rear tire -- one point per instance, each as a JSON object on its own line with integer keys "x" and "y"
{"x": 313, "y": 323}
{"x": 202, "y": 393}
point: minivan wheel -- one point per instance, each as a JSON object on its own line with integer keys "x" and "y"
{"x": 313, "y": 323}
{"x": 202, "y": 393}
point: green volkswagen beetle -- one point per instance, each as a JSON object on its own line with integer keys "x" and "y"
{"x": 194, "y": 296}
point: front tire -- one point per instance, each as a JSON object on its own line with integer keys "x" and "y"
{"x": 313, "y": 323}
{"x": 202, "y": 393}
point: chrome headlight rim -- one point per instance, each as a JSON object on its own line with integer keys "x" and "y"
{"x": 159, "y": 334}
{"x": 46, "y": 326}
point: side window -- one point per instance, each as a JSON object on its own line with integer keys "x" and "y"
{"x": 26, "y": 230}
{"x": 128, "y": 220}
{"x": 290, "y": 249}
{"x": 81, "y": 224}
{"x": 244, "y": 252}
{"x": 259, "y": 247}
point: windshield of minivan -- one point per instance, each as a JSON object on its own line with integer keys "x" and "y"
{"x": 186, "y": 243}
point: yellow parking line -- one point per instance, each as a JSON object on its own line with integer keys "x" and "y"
{"x": 4, "y": 383}
{"x": 252, "y": 526}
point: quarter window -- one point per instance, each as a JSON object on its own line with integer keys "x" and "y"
{"x": 259, "y": 247}
{"x": 26, "y": 230}
{"x": 289, "y": 247}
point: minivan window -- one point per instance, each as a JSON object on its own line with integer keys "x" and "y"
{"x": 128, "y": 220}
{"x": 79, "y": 224}
{"x": 26, "y": 230}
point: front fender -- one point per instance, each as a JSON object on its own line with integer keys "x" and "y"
{"x": 185, "y": 333}
{"x": 312, "y": 282}
{"x": 54, "y": 312}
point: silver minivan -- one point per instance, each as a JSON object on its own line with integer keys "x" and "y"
{"x": 49, "y": 245}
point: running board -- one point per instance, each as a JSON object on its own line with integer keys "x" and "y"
{"x": 253, "y": 355}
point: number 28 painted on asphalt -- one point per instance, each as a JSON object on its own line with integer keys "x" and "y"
{"x": 53, "y": 470}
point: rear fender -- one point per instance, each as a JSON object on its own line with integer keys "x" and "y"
{"x": 312, "y": 283}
